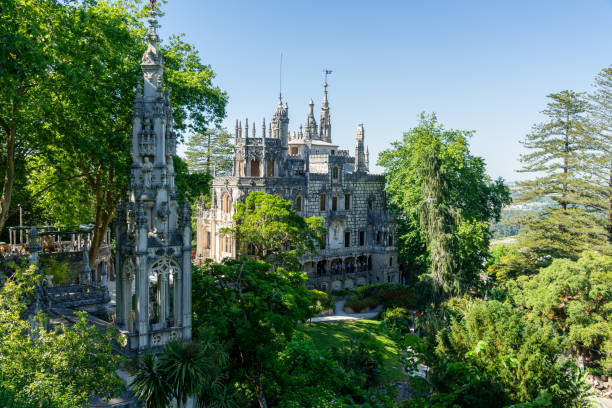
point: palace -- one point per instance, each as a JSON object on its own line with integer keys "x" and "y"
{"x": 308, "y": 169}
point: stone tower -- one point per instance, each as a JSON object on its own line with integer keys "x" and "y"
{"x": 153, "y": 232}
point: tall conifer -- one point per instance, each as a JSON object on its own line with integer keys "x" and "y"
{"x": 210, "y": 151}
{"x": 601, "y": 108}
{"x": 561, "y": 159}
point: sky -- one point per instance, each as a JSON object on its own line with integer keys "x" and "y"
{"x": 484, "y": 65}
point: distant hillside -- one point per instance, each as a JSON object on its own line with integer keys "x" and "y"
{"x": 509, "y": 224}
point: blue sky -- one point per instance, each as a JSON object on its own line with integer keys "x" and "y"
{"x": 480, "y": 65}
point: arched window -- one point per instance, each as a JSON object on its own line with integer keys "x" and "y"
{"x": 370, "y": 203}
{"x": 226, "y": 203}
{"x": 335, "y": 173}
{"x": 254, "y": 168}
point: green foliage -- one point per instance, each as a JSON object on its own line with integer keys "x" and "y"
{"x": 183, "y": 371}
{"x": 320, "y": 301}
{"x": 387, "y": 295}
{"x": 190, "y": 186}
{"x": 446, "y": 202}
{"x": 561, "y": 159}
{"x": 61, "y": 366}
{"x": 211, "y": 151}
{"x": 522, "y": 356}
{"x": 269, "y": 226}
{"x": 59, "y": 270}
{"x": 254, "y": 310}
{"x": 576, "y": 297}
{"x": 397, "y": 321}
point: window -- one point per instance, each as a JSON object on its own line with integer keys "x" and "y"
{"x": 370, "y": 203}
{"x": 378, "y": 237}
{"x": 361, "y": 238}
{"x": 390, "y": 240}
{"x": 294, "y": 150}
{"x": 322, "y": 204}
{"x": 254, "y": 168}
{"x": 391, "y": 261}
{"x": 347, "y": 201}
{"x": 333, "y": 152}
{"x": 226, "y": 203}
{"x": 270, "y": 168}
{"x": 334, "y": 203}
{"x": 298, "y": 204}
{"x": 323, "y": 241}
{"x": 347, "y": 239}
{"x": 335, "y": 173}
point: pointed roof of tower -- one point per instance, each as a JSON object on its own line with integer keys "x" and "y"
{"x": 311, "y": 123}
{"x": 325, "y": 123}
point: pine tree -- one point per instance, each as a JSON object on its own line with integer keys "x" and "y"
{"x": 601, "y": 109}
{"x": 562, "y": 161}
{"x": 210, "y": 152}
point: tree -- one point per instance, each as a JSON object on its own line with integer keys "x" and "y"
{"x": 444, "y": 201}
{"x": 26, "y": 55}
{"x": 210, "y": 150}
{"x": 149, "y": 384}
{"x": 561, "y": 160}
{"x": 46, "y": 365}
{"x": 576, "y": 297}
{"x": 601, "y": 110}
{"x": 86, "y": 145}
{"x": 270, "y": 228}
{"x": 254, "y": 309}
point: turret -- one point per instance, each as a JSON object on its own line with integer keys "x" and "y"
{"x": 311, "y": 123}
{"x": 360, "y": 163}
{"x": 325, "y": 130}
{"x": 280, "y": 123}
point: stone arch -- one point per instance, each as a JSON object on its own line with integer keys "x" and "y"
{"x": 226, "y": 203}
{"x": 162, "y": 274}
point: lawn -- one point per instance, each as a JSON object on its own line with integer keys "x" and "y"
{"x": 326, "y": 335}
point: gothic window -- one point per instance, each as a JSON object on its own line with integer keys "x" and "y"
{"x": 378, "y": 237}
{"x": 347, "y": 239}
{"x": 335, "y": 173}
{"x": 254, "y": 168}
{"x": 370, "y": 203}
{"x": 226, "y": 203}
{"x": 334, "y": 203}
{"x": 361, "y": 238}
{"x": 390, "y": 239}
{"x": 391, "y": 261}
{"x": 347, "y": 202}
{"x": 298, "y": 204}
{"x": 270, "y": 168}
{"x": 323, "y": 202}
{"x": 294, "y": 150}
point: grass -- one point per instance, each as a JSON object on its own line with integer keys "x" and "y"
{"x": 326, "y": 335}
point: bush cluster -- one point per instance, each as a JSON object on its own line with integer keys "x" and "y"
{"x": 387, "y": 295}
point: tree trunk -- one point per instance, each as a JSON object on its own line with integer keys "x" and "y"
{"x": 261, "y": 398}
{"x": 9, "y": 173}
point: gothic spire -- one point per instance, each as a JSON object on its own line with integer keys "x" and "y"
{"x": 311, "y": 124}
{"x": 325, "y": 130}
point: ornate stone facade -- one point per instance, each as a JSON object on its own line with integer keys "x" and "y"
{"x": 153, "y": 233}
{"x": 310, "y": 171}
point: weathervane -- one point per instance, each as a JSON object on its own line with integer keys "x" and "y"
{"x": 327, "y": 72}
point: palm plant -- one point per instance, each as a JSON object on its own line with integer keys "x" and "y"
{"x": 149, "y": 383}
{"x": 185, "y": 369}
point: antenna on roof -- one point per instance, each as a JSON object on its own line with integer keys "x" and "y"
{"x": 280, "y": 79}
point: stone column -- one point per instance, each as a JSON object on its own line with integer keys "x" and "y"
{"x": 186, "y": 298}
{"x": 178, "y": 286}
{"x": 142, "y": 280}
{"x": 162, "y": 295}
